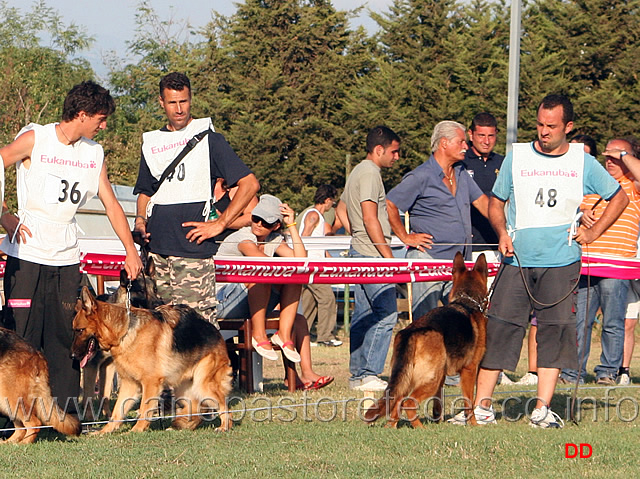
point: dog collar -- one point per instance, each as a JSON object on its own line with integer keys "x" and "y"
{"x": 481, "y": 306}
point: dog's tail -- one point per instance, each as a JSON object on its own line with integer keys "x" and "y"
{"x": 46, "y": 408}
{"x": 401, "y": 377}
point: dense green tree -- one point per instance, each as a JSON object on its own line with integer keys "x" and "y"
{"x": 438, "y": 60}
{"x": 160, "y": 46}
{"x": 587, "y": 49}
{"x": 35, "y": 78}
{"x": 295, "y": 90}
{"x": 276, "y": 78}
{"x": 486, "y": 38}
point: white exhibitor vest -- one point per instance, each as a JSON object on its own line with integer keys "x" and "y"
{"x": 60, "y": 179}
{"x": 191, "y": 181}
{"x": 548, "y": 190}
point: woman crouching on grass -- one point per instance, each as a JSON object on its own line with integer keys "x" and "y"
{"x": 258, "y": 300}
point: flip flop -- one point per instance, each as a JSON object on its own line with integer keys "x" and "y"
{"x": 319, "y": 383}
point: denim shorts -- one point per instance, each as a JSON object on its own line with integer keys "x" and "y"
{"x": 233, "y": 301}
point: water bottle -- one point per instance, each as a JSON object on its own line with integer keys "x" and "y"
{"x": 213, "y": 213}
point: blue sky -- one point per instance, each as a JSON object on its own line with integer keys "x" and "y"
{"x": 112, "y": 22}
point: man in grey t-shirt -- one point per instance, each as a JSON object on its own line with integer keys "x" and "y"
{"x": 375, "y": 312}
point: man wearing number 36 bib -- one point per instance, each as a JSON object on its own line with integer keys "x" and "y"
{"x": 58, "y": 168}
{"x": 542, "y": 184}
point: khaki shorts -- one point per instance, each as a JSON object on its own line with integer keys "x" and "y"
{"x": 189, "y": 281}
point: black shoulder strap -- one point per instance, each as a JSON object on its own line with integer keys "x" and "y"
{"x": 191, "y": 144}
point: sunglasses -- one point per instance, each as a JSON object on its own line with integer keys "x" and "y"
{"x": 257, "y": 219}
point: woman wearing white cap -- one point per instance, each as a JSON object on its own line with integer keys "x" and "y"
{"x": 258, "y": 300}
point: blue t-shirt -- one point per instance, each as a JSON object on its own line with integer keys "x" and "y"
{"x": 548, "y": 246}
{"x": 434, "y": 210}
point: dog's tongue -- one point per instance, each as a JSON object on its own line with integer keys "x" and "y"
{"x": 90, "y": 353}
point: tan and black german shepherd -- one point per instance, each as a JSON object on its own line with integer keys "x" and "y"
{"x": 445, "y": 341}
{"x": 141, "y": 293}
{"x": 170, "y": 346}
{"x": 25, "y": 395}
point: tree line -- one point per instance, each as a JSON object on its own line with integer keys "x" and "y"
{"x": 294, "y": 87}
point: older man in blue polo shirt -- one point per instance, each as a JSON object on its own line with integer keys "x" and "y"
{"x": 438, "y": 195}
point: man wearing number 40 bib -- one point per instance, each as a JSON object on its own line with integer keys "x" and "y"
{"x": 177, "y": 216}
{"x": 544, "y": 183}
{"x": 58, "y": 168}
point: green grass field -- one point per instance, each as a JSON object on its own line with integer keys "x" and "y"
{"x": 328, "y": 440}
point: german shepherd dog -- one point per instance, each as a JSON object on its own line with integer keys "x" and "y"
{"x": 25, "y": 395}
{"x": 445, "y": 341}
{"x": 141, "y": 293}
{"x": 170, "y": 346}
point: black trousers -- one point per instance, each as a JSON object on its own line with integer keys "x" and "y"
{"x": 40, "y": 306}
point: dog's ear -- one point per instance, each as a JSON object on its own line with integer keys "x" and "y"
{"x": 150, "y": 269}
{"x": 124, "y": 278}
{"x": 458, "y": 264}
{"x": 481, "y": 266}
{"x": 88, "y": 301}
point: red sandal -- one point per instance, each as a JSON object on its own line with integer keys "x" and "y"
{"x": 319, "y": 383}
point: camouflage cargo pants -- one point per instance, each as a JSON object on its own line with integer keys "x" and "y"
{"x": 189, "y": 281}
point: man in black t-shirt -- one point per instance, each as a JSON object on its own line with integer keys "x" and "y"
{"x": 483, "y": 164}
{"x": 174, "y": 216}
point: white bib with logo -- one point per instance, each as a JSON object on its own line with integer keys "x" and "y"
{"x": 548, "y": 190}
{"x": 59, "y": 180}
{"x": 191, "y": 180}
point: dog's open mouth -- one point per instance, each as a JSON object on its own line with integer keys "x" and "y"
{"x": 91, "y": 352}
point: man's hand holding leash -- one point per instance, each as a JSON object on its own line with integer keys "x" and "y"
{"x": 505, "y": 245}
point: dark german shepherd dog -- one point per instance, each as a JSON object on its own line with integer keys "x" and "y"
{"x": 170, "y": 346}
{"x": 445, "y": 341}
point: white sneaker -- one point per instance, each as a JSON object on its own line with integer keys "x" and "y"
{"x": 545, "y": 418}
{"x": 624, "y": 379}
{"x": 369, "y": 383}
{"x": 504, "y": 380}
{"x": 483, "y": 417}
{"x": 528, "y": 379}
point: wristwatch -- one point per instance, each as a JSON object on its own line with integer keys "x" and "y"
{"x": 622, "y": 153}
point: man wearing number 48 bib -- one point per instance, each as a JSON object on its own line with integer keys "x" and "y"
{"x": 58, "y": 168}
{"x": 175, "y": 208}
{"x": 543, "y": 182}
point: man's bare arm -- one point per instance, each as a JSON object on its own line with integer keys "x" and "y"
{"x": 482, "y": 205}
{"x": 616, "y": 206}
{"x": 417, "y": 240}
{"x": 498, "y": 221}
{"x": 341, "y": 214}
